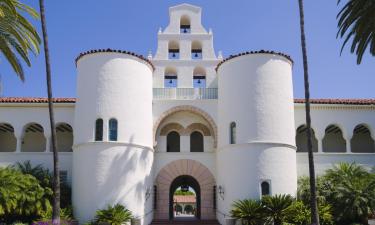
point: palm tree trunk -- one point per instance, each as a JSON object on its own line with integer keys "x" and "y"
{"x": 313, "y": 201}
{"x": 56, "y": 178}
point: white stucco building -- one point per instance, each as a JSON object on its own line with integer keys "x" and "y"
{"x": 141, "y": 127}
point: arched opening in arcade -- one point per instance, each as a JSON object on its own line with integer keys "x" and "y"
{"x": 64, "y": 135}
{"x": 184, "y": 198}
{"x": 301, "y": 139}
{"x": 333, "y": 140}
{"x": 33, "y": 138}
{"x": 8, "y": 141}
{"x": 362, "y": 141}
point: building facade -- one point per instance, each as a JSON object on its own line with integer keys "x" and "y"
{"x": 142, "y": 127}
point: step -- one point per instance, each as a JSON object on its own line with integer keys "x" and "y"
{"x": 185, "y": 222}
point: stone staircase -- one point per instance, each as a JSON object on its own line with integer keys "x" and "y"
{"x": 185, "y": 222}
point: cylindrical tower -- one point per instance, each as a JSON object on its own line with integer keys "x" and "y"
{"x": 112, "y": 161}
{"x": 256, "y": 136}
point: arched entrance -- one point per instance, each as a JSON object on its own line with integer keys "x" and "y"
{"x": 194, "y": 174}
{"x": 182, "y": 182}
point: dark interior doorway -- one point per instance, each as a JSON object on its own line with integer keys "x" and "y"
{"x": 185, "y": 181}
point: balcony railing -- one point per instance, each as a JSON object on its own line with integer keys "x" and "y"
{"x": 184, "y": 93}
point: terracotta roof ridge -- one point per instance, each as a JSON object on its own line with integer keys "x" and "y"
{"x": 93, "y": 51}
{"x": 35, "y": 100}
{"x": 336, "y": 101}
{"x": 254, "y": 52}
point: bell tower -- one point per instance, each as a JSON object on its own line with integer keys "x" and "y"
{"x": 185, "y": 56}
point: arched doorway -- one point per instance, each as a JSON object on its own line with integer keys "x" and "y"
{"x": 197, "y": 176}
{"x": 184, "y": 183}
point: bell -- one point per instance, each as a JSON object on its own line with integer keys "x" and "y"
{"x": 185, "y": 31}
{"x": 170, "y": 81}
{"x": 174, "y": 55}
{"x": 199, "y": 81}
{"x": 196, "y": 55}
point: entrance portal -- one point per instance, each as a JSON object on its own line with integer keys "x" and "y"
{"x": 185, "y": 198}
{"x": 182, "y": 173}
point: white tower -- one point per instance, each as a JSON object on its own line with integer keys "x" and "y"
{"x": 256, "y": 127}
{"x": 112, "y": 160}
{"x": 185, "y": 52}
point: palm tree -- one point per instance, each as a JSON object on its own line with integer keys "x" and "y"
{"x": 276, "y": 207}
{"x": 353, "y": 194}
{"x": 56, "y": 177}
{"x": 313, "y": 202}
{"x": 17, "y": 35}
{"x": 250, "y": 212}
{"x": 356, "y": 21}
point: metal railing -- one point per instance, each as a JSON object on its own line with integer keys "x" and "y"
{"x": 184, "y": 93}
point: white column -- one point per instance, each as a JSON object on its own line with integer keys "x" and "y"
{"x": 348, "y": 145}
{"x": 320, "y": 145}
{"x": 48, "y": 143}
{"x": 19, "y": 140}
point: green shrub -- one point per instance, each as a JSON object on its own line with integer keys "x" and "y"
{"x": 347, "y": 191}
{"x": 113, "y": 215}
{"x": 250, "y": 212}
{"x": 276, "y": 207}
{"x": 22, "y": 198}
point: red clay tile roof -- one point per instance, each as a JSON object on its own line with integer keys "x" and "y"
{"x": 254, "y": 52}
{"x": 73, "y": 100}
{"x": 339, "y": 101}
{"x": 35, "y": 100}
{"x": 184, "y": 198}
{"x": 116, "y": 51}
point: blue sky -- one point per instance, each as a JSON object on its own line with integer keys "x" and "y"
{"x": 75, "y": 26}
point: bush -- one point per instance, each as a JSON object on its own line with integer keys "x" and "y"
{"x": 347, "y": 191}
{"x": 113, "y": 215}
{"x": 21, "y": 196}
{"x": 250, "y": 212}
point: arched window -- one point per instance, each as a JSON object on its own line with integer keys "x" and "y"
{"x": 301, "y": 139}
{"x": 64, "y": 136}
{"x": 185, "y": 25}
{"x": 173, "y": 50}
{"x": 196, "y": 50}
{"x": 333, "y": 140}
{"x": 99, "y": 130}
{"x": 265, "y": 188}
{"x": 8, "y": 141}
{"x": 173, "y": 142}
{"x": 112, "y": 129}
{"x": 33, "y": 139}
{"x": 362, "y": 140}
{"x": 199, "y": 77}
{"x": 170, "y": 77}
{"x": 196, "y": 142}
{"x": 232, "y": 133}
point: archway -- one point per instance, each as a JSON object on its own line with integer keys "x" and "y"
{"x": 211, "y": 123}
{"x": 166, "y": 180}
{"x": 8, "y": 141}
{"x": 184, "y": 182}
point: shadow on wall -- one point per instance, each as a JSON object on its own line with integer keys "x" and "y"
{"x": 124, "y": 181}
